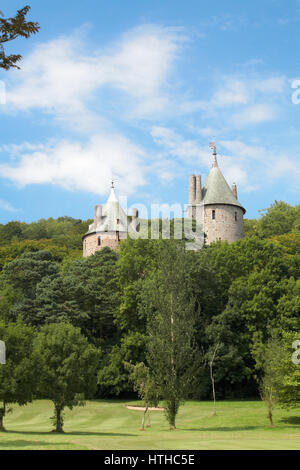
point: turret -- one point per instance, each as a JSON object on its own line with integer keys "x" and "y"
{"x": 110, "y": 226}
{"x": 198, "y": 190}
{"x": 135, "y": 217}
{"x": 234, "y": 190}
{"x": 192, "y": 189}
{"x": 97, "y": 215}
{"x": 223, "y": 213}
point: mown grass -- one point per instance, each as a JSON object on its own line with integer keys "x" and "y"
{"x": 109, "y": 425}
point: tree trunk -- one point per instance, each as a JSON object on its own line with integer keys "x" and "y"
{"x": 172, "y": 414}
{"x": 173, "y": 423}
{"x": 213, "y": 379}
{"x": 270, "y": 406}
{"x": 58, "y": 419}
{"x": 143, "y": 418}
{"x": 2, "y": 414}
{"x": 149, "y": 420}
{"x": 270, "y": 416}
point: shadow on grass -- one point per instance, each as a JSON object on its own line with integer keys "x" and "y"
{"x": 224, "y": 429}
{"x": 73, "y": 433}
{"x": 291, "y": 420}
{"x": 22, "y": 443}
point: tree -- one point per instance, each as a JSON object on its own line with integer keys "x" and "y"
{"x": 86, "y": 294}
{"x": 144, "y": 384}
{"x": 171, "y": 313}
{"x": 212, "y": 378}
{"x": 67, "y": 367}
{"x": 12, "y": 28}
{"x": 277, "y": 219}
{"x": 113, "y": 375}
{"x": 289, "y": 370}
{"x": 268, "y": 356}
{"x": 27, "y": 271}
{"x": 15, "y": 249}
{"x": 18, "y": 377}
{"x": 23, "y": 275}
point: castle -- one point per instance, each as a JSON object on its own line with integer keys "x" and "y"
{"x": 109, "y": 227}
{"x": 222, "y": 214}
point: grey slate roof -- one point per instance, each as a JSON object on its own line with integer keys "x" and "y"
{"x": 216, "y": 190}
{"x": 110, "y": 213}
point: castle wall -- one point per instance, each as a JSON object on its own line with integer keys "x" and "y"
{"x": 224, "y": 226}
{"x": 110, "y": 239}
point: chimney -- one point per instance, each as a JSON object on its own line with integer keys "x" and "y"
{"x": 97, "y": 215}
{"x": 198, "y": 189}
{"x": 192, "y": 189}
{"x": 135, "y": 216}
{"x": 234, "y": 190}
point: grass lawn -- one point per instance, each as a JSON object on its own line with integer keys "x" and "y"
{"x": 109, "y": 425}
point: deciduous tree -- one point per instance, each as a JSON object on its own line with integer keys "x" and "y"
{"x": 19, "y": 376}
{"x": 67, "y": 367}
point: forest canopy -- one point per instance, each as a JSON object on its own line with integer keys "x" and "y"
{"x": 241, "y": 294}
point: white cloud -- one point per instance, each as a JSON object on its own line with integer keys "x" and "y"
{"x": 206, "y": 131}
{"x": 244, "y": 151}
{"x": 234, "y": 92}
{"x": 285, "y": 166}
{"x": 187, "y": 150}
{"x": 6, "y": 206}
{"x": 263, "y": 164}
{"x": 75, "y": 166}
{"x": 60, "y": 78}
{"x": 254, "y": 114}
{"x": 271, "y": 85}
{"x": 249, "y": 166}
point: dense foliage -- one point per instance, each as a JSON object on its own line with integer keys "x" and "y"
{"x": 237, "y": 294}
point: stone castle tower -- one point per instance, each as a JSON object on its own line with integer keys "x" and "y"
{"x": 109, "y": 227}
{"x": 222, "y": 214}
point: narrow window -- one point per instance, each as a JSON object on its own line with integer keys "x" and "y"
{"x": 118, "y": 221}
{"x": 213, "y": 214}
{"x": 235, "y": 216}
{"x": 99, "y": 241}
{"x": 118, "y": 236}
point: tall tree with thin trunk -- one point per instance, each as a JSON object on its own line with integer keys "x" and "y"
{"x": 144, "y": 384}
{"x": 171, "y": 313}
{"x": 212, "y": 378}
{"x": 268, "y": 356}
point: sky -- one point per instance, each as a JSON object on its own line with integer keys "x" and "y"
{"x": 136, "y": 90}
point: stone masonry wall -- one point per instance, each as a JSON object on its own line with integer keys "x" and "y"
{"x": 224, "y": 226}
{"x": 90, "y": 242}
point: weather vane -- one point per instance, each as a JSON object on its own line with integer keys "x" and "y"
{"x": 212, "y": 146}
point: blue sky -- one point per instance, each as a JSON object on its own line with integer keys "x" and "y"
{"x": 136, "y": 90}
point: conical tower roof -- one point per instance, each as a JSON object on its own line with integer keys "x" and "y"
{"x": 216, "y": 190}
{"x": 113, "y": 217}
